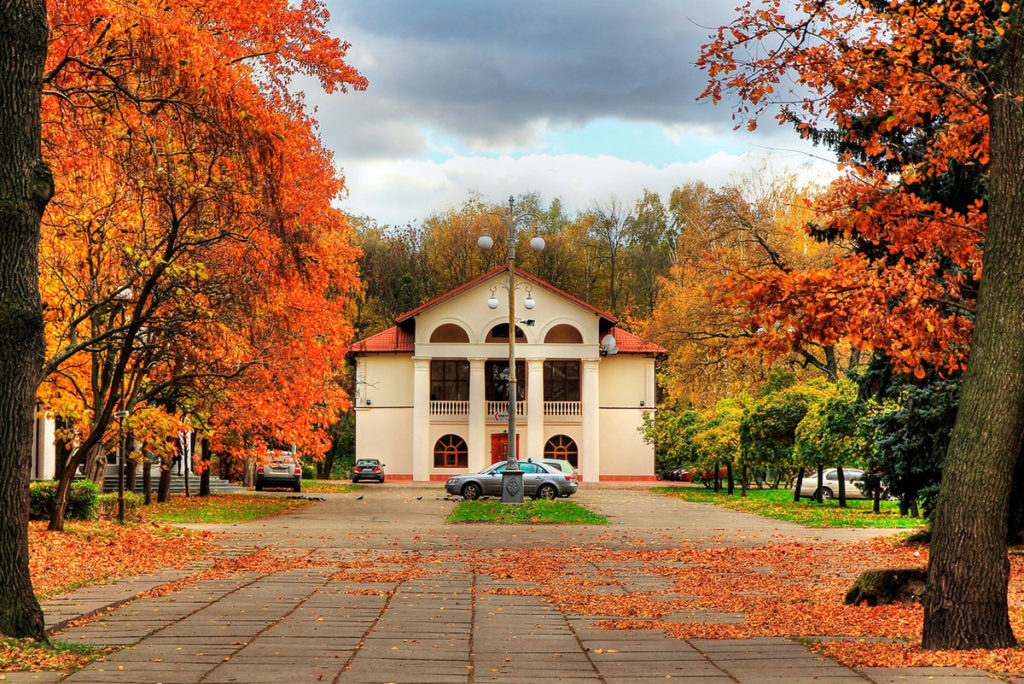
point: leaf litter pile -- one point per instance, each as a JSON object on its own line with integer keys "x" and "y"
{"x": 99, "y": 551}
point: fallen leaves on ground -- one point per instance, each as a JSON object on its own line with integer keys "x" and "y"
{"x": 25, "y": 654}
{"x": 94, "y": 551}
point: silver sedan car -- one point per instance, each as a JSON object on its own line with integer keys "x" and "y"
{"x": 540, "y": 481}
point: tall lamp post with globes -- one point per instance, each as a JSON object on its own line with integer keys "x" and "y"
{"x": 512, "y": 476}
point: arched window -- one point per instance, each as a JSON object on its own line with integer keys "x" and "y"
{"x": 563, "y": 447}
{"x": 449, "y": 332}
{"x": 451, "y": 452}
{"x": 563, "y": 334}
{"x": 499, "y": 333}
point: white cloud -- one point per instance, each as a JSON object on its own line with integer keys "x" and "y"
{"x": 399, "y": 191}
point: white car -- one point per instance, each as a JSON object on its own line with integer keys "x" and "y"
{"x": 830, "y": 484}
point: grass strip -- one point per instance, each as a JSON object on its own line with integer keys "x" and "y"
{"x": 779, "y": 505}
{"x": 220, "y": 508}
{"x": 540, "y": 512}
{"x": 328, "y": 487}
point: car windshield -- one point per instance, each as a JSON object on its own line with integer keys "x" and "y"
{"x": 367, "y": 463}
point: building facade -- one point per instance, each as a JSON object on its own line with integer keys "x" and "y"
{"x": 431, "y": 394}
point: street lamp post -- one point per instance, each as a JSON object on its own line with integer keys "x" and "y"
{"x": 120, "y": 415}
{"x": 512, "y": 476}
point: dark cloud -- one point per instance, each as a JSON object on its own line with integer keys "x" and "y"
{"x": 485, "y": 70}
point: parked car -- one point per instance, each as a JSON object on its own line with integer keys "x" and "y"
{"x": 540, "y": 481}
{"x": 563, "y": 465}
{"x": 281, "y": 469}
{"x": 830, "y": 484}
{"x": 368, "y": 469}
{"x": 680, "y": 474}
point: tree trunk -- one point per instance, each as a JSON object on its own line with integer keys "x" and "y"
{"x": 147, "y": 480}
{"x": 965, "y": 605}
{"x": 25, "y": 188}
{"x": 842, "y": 487}
{"x": 876, "y": 501}
{"x": 743, "y": 482}
{"x": 204, "y": 479}
{"x": 60, "y": 447}
{"x": 130, "y": 468}
{"x": 732, "y": 487}
{"x": 718, "y": 480}
{"x": 799, "y": 483}
{"x": 163, "y": 487}
{"x": 821, "y": 484}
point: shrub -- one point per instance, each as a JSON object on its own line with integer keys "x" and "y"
{"x": 106, "y": 504}
{"x": 308, "y": 472}
{"x": 81, "y": 500}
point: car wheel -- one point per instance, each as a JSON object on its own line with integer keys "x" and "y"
{"x": 547, "y": 491}
{"x": 471, "y": 491}
{"x": 259, "y": 484}
{"x": 298, "y": 486}
{"x": 826, "y": 494}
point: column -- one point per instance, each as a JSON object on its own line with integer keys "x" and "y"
{"x": 534, "y": 409}
{"x": 477, "y": 436}
{"x": 421, "y": 420}
{"x": 590, "y": 453}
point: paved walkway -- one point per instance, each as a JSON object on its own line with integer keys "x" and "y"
{"x": 323, "y": 622}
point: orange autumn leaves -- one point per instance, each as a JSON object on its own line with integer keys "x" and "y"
{"x": 61, "y": 561}
{"x": 193, "y": 228}
{"x": 782, "y": 589}
{"x": 898, "y": 90}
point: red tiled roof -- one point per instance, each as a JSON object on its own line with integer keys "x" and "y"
{"x": 520, "y": 273}
{"x": 628, "y": 343}
{"x": 393, "y": 339}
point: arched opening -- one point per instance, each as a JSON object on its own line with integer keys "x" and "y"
{"x": 499, "y": 333}
{"x": 563, "y": 334}
{"x": 451, "y": 452}
{"x": 449, "y": 332}
{"x": 563, "y": 447}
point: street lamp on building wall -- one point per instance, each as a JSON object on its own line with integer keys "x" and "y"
{"x": 512, "y": 477}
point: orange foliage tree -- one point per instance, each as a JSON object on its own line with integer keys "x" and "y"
{"x": 922, "y": 102}
{"x": 193, "y": 260}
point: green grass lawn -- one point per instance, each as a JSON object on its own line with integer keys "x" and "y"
{"x": 558, "y": 511}
{"x": 779, "y": 504}
{"x": 222, "y": 508}
{"x": 329, "y": 487}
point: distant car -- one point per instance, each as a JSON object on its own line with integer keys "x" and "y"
{"x": 540, "y": 481}
{"x": 563, "y": 465}
{"x": 282, "y": 469}
{"x": 680, "y": 474}
{"x": 368, "y": 469}
{"x": 830, "y": 484}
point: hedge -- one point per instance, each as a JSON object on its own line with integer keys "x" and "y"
{"x": 81, "y": 500}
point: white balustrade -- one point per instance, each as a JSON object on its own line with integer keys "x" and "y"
{"x": 496, "y": 407}
{"x": 563, "y": 408}
{"x": 449, "y": 408}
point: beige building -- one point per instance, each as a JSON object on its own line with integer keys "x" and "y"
{"x": 432, "y": 396}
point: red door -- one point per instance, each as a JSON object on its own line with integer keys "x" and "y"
{"x": 499, "y": 447}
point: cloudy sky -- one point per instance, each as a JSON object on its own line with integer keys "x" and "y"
{"x": 576, "y": 99}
